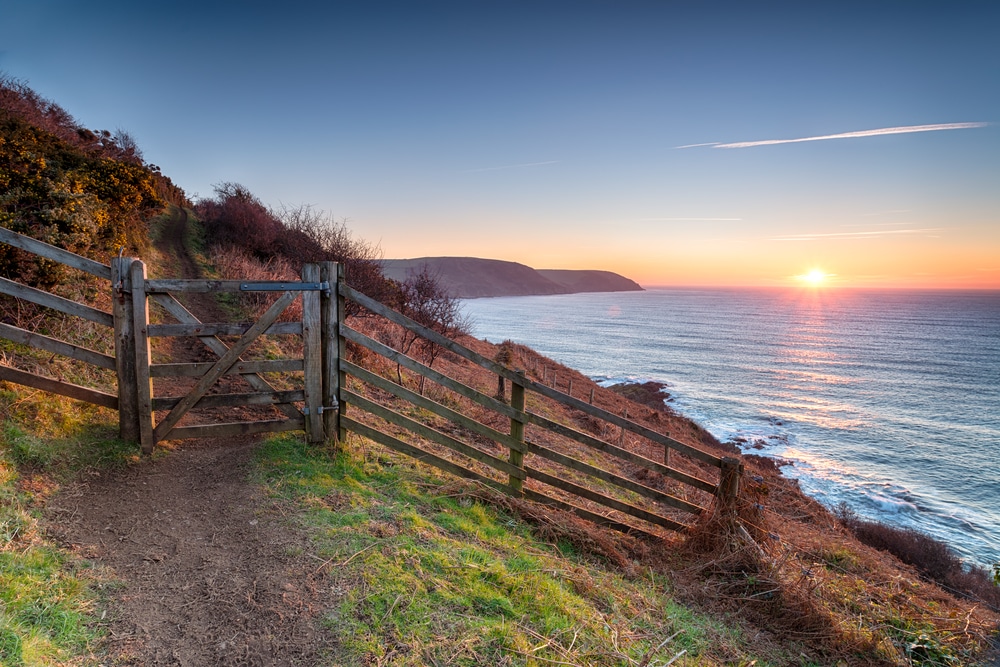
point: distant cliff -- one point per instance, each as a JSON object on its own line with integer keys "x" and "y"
{"x": 471, "y": 277}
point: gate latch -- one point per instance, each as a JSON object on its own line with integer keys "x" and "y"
{"x": 275, "y": 286}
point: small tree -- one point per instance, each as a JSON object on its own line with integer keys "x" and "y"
{"x": 426, "y": 301}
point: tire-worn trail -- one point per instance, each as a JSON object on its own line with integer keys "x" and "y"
{"x": 211, "y": 572}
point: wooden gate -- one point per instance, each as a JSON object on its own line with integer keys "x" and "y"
{"x": 309, "y": 406}
{"x": 318, "y": 365}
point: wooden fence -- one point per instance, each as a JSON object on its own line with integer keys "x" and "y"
{"x": 561, "y": 466}
{"x": 60, "y": 305}
{"x": 610, "y": 481}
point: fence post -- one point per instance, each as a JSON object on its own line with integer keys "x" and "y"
{"x": 143, "y": 381}
{"x": 329, "y": 272}
{"x": 517, "y": 430}
{"x": 729, "y": 480}
{"x": 121, "y": 311}
{"x": 312, "y": 353}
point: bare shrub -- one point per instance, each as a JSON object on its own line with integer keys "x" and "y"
{"x": 236, "y": 264}
{"x": 312, "y": 235}
{"x": 298, "y": 234}
{"x": 427, "y": 302}
{"x": 932, "y": 558}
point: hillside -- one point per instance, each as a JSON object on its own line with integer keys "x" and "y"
{"x": 265, "y": 550}
{"x": 472, "y": 277}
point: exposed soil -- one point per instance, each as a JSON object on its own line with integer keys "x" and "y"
{"x": 211, "y": 571}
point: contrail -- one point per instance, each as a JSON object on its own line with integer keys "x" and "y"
{"x": 905, "y": 129}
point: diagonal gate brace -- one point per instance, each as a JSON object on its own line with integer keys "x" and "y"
{"x": 184, "y": 316}
{"x": 223, "y": 365}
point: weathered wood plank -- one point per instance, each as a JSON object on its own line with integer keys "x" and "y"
{"x": 626, "y": 424}
{"x": 232, "y": 400}
{"x": 38, "y": 341}
{"x": 57, "y": 303}
{"x": 223, "y": 364}
{"x": 598, "y": 519}
{"x": 620, "y": 453}
{"x": 144, "y": 383}
{"x": 611, "y": 478}
{"x": 312, "y": 355}
{"x": 200, "y": 285}
{"x": 542, "y": 389}
{"x": 220, "y": 329}
{"x": 431, "y": 374}
{"x": 428, "y": 433}
{"x": 417, "y": 453}
{"x": 239, "y": 368}
{"x": 58, "y": 387}
{"x": 197, "y": 286}
{"x": 124, "y": 321}
{"x": 182, "y": 314}
{"x": 47, "y": 251}
{"x": 341, "y": 347}
{"x": 235, "y": 428}
{"x": 428, "y": 404}
{"x": 601, "y": 499}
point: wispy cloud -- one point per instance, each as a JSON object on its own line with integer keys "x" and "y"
{"x": 857, "y": 235}
{"x": 904, "y": 129}
{"x": 690, "y": 219}
{"x": 510, "y": 166}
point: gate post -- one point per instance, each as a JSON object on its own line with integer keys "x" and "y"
{"x": 313, "y": 355}
{"x": 121, "y": 311}
{"x": 143, "y": 381}
{"x": 330, "y": 313}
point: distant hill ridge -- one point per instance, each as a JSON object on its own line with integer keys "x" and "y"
{"x": 472, "y": 277}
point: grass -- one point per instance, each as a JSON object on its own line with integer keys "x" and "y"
{"x": 47, "y": 596}
{"x": 422, "y": 574}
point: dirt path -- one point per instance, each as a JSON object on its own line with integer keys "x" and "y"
{"x": 212, "y": 572}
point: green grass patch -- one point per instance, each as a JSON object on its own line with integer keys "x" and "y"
{"x": 47, "y": 599}
{"x": 420, "y": 574}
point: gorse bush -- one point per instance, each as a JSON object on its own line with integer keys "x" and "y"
{"x": 85, "y": 191}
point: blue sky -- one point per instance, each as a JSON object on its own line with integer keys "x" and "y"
{"x": 550, "y": 133}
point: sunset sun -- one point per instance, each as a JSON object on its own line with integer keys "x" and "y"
{"x": 814, "y": 277}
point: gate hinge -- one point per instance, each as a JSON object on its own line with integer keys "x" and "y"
{"x": 321, "y": 409}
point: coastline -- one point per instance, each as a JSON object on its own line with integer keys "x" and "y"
{"x": 870, "y": 424}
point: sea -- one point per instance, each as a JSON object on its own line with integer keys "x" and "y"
{"x": 886, "y": 400}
